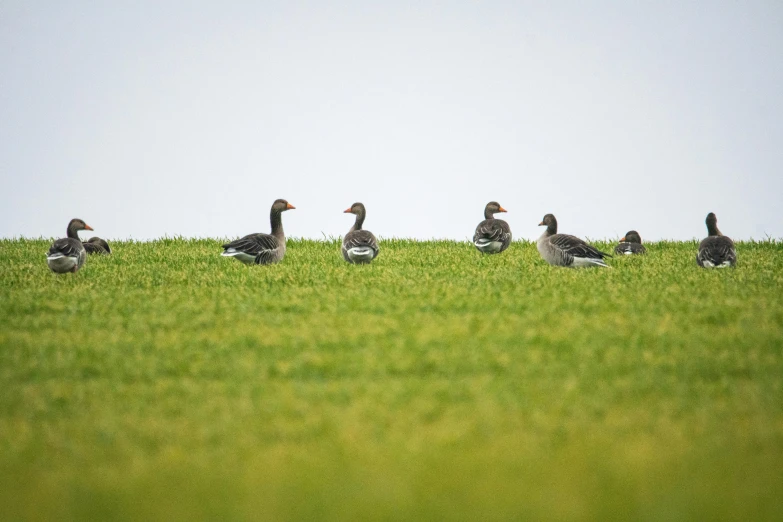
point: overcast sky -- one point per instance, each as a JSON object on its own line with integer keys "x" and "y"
{"x": 152, "y": 118}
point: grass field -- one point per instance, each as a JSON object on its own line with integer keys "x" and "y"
{"x": 166, "y": 382}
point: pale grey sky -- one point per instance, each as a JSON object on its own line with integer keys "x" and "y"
{"x": 147, "y": 118}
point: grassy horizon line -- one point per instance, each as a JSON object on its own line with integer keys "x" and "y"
{"x": 391, "y": 239}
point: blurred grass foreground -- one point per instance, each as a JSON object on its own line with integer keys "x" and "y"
{"x": 166, "y": 382}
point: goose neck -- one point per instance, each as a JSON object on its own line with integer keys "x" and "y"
{"x": 276, "y": 220}
{"x": 357, "y": 225}
{"x": 72, "y": 231}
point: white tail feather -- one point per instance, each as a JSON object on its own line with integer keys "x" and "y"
{"x": 588, "y": 261}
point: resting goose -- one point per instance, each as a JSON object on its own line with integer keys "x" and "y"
{"x": 630, "y": 244}
{"x": 716, "y": 250}
{"x": 68, "y": 254}
{"x": 492, "y": 235}
{"x": 96, "y": 245}
{"x": 262, "y": 249}
{"x": 564, "y": 250}
{"x": 359, "y": 246}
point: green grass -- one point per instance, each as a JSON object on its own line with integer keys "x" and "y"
{"x": 166, "y": 382}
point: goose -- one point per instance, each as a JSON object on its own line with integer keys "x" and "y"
{"x": 564, "y": 250}
{"x": 262, "y": 249}
{"x": 716, "y": 250}
{"x": 630, "y": 244}
{"x": 492, "y": 235}
{"x": 359, "y": 246}
{"x": 68, "y": 254}
{"x": 96, "y": 245}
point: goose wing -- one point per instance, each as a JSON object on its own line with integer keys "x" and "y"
{"x": 716, "y": 250}
{"x": 93, "y": 248}
{"x": 575, "y": 247}
{"x": 361, "y": 238}
{"x": 493, "y": 230}
{"x": 67, "y": 247}
{"x": 254, "y": 244}
{"x": 96, "y": 246}
{"x": 100, "y": 243}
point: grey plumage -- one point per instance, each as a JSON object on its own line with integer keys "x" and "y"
{"x": 262, "y": 249}
{"x": 96, "y": 245}
{"x": 492, "y": 235}
{"x": 716, "y": 250}
{"x": 359, "y": 246}
{"x": 259, "y": 249}
{"x": 68, "y": 254}
{"x": 630, "y": 244}
{"x": 566, "y": 250}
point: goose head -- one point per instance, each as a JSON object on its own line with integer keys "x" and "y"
{"x": 78, "y": 224}
{"x": 632, "y": 236}
{"x": 493, "y": 207}
{"x": 356, "y": 209}
{"x": 281, "y": 205}
{"x": 712, "y": 224}
{"x": 74, "y": 226}
{"x": 550, "y": 223}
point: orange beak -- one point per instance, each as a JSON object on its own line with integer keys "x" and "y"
{"x": 541, "y": 224}
{"x": 290, "y": 206}
{"x": 87, "y": 227}
{"x": 347, "y": 211}
{"x": 622, "y": 239}
{"x": 502, "y": 209}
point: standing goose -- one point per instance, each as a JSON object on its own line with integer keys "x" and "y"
{"x": 492, "y": 235}
{"x": 359, "y": 246}
{"x": 716, "y": 250}
{"x": 262, "y": 249}
{"x": 630, "y": 244}
{"x": 564, "y": 250}
{"x": 96, "y": 245}
{"x": 68, "y": 254}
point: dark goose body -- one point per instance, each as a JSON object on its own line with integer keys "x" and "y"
{"x": 630, "y": 244}
{"x": 359, "y": 246}
{"x": 566, "y": 250}
{"x": 96, "y": 245}
{"x": 492, "y": 235}
{"x": 716, "y": 250}
{"x": 68, "y": 254}
{"x": 262, "y": 249}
